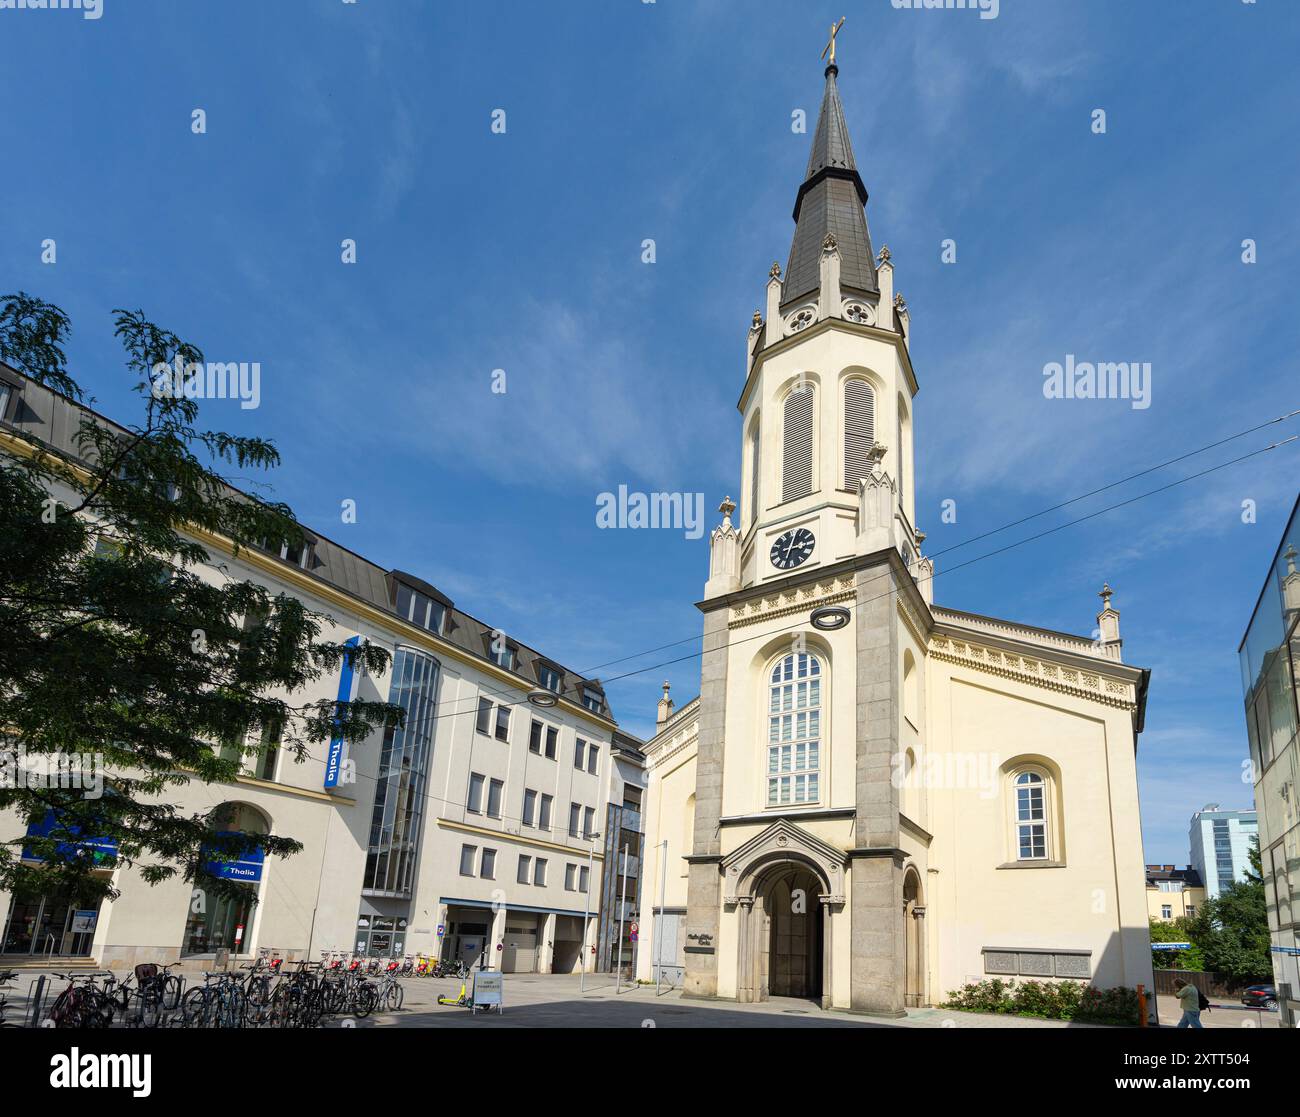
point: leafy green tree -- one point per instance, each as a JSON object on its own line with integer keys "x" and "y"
{"x": 111, "y": 640}
{"x": 1232, "y": 929}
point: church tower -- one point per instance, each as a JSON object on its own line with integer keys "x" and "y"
{"x": 827, "y": 403}
{"x": 797, "y": 829}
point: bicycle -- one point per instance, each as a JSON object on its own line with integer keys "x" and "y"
{"x": 6, "y": 978}
{"x": 81, "y": 1004}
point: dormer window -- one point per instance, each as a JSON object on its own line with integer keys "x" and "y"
{"x": 7, "y": 394}
{"x": 419, "y": 608}
{"x": 549, "y": 677}
{"x": 502, "y": 654}
{"x": 593, "y": 700}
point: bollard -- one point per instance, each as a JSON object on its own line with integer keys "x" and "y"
{"x": 1142, "y": 1006}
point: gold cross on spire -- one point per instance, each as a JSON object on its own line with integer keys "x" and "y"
{"x": 830, "y": 46}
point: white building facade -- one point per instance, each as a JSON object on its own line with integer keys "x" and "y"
{"x": 1220, "y": 843}
{"x": 474, "y": 831}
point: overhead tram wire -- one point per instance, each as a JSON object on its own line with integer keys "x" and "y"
{"x": 429, "y": 797}
{"x": 514, "y": 700}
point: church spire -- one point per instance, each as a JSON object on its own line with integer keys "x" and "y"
{"x": 831, "y": 202}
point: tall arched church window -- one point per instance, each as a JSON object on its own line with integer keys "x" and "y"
{"x": 797, "y": 460}
{"x": 794, "y": 730}
{"x": 859, "y": 431}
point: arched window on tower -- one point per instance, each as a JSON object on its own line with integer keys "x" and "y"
{"x": 754, "y": 443}
{"x": 797, "y": 460}
{"x": 859, "y": 431}
{"x": 904, "y": 450}
{"x": 794, "y": 730}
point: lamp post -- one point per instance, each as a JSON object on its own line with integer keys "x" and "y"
{"x": 586, "y": 917}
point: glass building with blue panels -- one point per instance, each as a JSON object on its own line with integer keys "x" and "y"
{"x": 1270, "y": 662}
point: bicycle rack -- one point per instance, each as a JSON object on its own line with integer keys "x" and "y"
{"x": 35, "y": 995}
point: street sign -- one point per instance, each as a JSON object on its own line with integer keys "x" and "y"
{"x": 441, "y": 929}
{"x": 1171, "y": 946}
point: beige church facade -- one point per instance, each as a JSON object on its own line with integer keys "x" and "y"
{"x": 874, "y": 799}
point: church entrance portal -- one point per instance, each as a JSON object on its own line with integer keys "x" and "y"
{"x": 794, "y": 918}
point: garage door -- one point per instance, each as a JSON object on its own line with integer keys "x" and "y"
{"x": 519, "y": 953}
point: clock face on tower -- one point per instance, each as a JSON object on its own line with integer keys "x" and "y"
{"x": 792, "y": 549}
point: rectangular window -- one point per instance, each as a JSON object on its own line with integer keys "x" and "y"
{"x": 589, "y": 822}
{"x": 593, "y": 700}
{"x": 582, "y": 879}
{"x": 495, "y": 790}
{"x": 544, "y": 817}
{"x": 467, "y": 860}
{"x": 530, "y": 806}
{"x": 488, "y": 865}
{"x": 579, "y": 753}
{"x": 525, "y": 875}
{"x": 535, "y": 737}
{"x": 539, "y": 871}
{"x": 504, "y": 656}
{"x": 1166, "y": 912}
{"x": 548, "y": 677}
{"x": 475, "y": 800}
{"x": 552, "y": 737}
{"x": 484, "y": 724}
{"x": 5, "y": 392}
{"x": 593, "y": 755}
{"x": 575, "y": 819}
{"x": 503, "y": 723}
{"x": 570, "y": 877}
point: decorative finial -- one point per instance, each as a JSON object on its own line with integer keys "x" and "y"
{"x": 830, "y": 244}
{"x": 775, "y": 272}
{"x": 830, "y": 46}
{"x": 899, "y": 304}
{"x": 1106, "y": 594}
{"x": 885, "y": 255}
{"x": 876, "y": 454}
{"x": 727, "y": 507}
{"x": 758, "y": 320}
{"x": 667, "y": 687}
{"x": 1290, "y": 557}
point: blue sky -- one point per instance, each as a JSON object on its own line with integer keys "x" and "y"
{"x": 671, "y": 121}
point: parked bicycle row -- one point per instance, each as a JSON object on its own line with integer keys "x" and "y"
{"x": 268, "y": 993}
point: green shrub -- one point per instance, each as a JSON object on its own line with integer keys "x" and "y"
{"x": 1047, "y": 1000}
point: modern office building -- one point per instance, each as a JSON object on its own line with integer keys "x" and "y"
{"x": 473, "y": 831}
{"x": 1173, "y": 893}
{"x": 1220, "y": 845}
{"x": 1270, "y": 657}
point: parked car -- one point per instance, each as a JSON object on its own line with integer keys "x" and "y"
{"x": 1260, "y": 996}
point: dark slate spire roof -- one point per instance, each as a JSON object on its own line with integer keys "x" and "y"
{"x": 831, "y": 200}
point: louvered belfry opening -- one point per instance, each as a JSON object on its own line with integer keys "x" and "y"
{"x": 797, "y": 460}
{"x": 755, "y": 442}
{"x": 859, "y": 431}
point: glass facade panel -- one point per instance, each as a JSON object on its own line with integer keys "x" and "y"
{"x": 400, "y": 788}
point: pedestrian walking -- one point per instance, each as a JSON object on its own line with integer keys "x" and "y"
{"x": 1189, "y": 1000}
